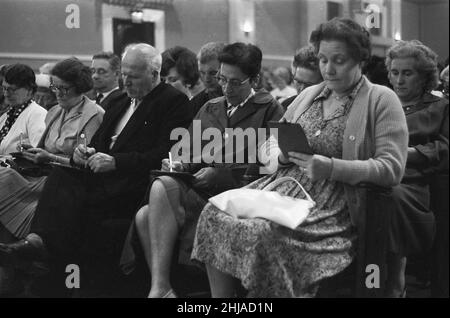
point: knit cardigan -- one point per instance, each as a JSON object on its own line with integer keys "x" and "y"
{"x": 375, "y": 142}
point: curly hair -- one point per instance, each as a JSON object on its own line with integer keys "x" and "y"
{"x": 345, "y": 30}
{"x": 73, "y": 71}
{"x": 426, "y": 60}
{"x": 247, "y": 57}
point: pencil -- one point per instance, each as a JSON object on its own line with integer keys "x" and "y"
{"x": 170, "y": 161}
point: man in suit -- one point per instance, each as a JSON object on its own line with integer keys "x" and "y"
{"x": 113, "y": 170}
{"x": 105, "y": 69}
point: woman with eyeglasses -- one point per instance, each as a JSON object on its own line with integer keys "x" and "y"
{"x": 24, "y": 120}
{"x": 73, "y": 120}
{"x": 174, "y": 205}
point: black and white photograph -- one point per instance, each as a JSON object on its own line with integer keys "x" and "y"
{"x": 234, "y": 149}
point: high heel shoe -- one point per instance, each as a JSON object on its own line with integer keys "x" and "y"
{"x": 170, "y": 294}
{"x": 22, "y": 250}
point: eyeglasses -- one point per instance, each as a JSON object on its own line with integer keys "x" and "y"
{"x": 222, "y": 80}
{"x": 62, "y": 89}
{"x": 10, "y": 89}
{"x": 209, "y": 73}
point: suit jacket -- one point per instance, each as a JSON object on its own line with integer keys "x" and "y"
{"x": 145, "y": 139}
{"x": 116, "y": 96}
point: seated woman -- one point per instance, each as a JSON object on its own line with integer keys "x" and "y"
{"x": 24, "y": 119}
{"x": 174, "y": 206}
{"x": 3, "y": 105}
{"x": 413, "y": 73}
{"x": 358, "y": 133}
{"x": 180, "y": 69}
{"x": 74, "y": 116}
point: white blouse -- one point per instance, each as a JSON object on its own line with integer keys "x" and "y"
{"x": 31, "y": 123}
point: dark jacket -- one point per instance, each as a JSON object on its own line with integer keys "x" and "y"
{"x": 260, "y": 109}
{"x": 116, "y": 96}
{"x": 428, "y": 133}
{"x": 145, "y": 140}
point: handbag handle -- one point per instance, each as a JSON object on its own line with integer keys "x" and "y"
{"x": 276, "y": 182}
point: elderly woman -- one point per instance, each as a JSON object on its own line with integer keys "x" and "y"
{"x": 24, "y": 120}
{"x": 413, "y": 73}
{"x": 358, "y": 133}
{"x": 174, "y": 205}
{"x": 74, "y": 116}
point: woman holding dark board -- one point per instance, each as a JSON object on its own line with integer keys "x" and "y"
{"x": 357, "y": 131}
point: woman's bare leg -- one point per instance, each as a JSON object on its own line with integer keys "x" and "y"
{"x": 222, "y": 285}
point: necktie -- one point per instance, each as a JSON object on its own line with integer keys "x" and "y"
{"x": 99, "y": 98}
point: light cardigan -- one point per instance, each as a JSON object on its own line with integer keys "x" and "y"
{"x": 375, "y": 142}
{"x": 31, "y": 123}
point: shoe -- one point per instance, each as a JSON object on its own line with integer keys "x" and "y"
{"x": 170, "y": 294}
{"x": 22, "y": 250}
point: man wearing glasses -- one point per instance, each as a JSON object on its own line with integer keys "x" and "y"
{"x": 306, "y": 72}
{"x": 208, "y": 65}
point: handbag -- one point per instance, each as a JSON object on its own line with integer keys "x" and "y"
{"x": 267, "y": 204}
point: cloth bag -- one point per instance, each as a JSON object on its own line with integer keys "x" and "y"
{"x": 267, "y": 204}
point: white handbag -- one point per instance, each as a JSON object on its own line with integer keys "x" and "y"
{"x": 267, "y": 204}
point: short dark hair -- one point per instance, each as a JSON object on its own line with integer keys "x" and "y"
{"x": 113, "y": 59}
{"x": 247, "y": 57}
{"x": 306, "y": 57}
{"x": 72, "y": 70}
{"x": 426, "y": 60}
{"x": 345, "y": 30}
{"x": 185, "y": 62}
{"x": 22, "y": 76}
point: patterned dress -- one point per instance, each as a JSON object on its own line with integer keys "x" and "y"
{"x": 274, "y": 261}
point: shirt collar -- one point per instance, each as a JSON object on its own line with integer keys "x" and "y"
{"x": 252, "y": 93}
{"x": 105, "y": 94}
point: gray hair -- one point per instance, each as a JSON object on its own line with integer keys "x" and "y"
{"x": 210, "y": 51}
{"x": 151, "y": 55}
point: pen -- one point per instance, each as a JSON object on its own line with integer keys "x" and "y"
{"x": 21, "y": 142}
{"x": 170, "y": 161}
{"x": 83, "y": 137}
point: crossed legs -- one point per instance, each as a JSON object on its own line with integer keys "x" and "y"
{"x": 158, "y": 230}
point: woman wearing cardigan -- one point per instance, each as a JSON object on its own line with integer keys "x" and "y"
{"x": 358, "y": 133}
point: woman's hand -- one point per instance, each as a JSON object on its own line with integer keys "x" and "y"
{"x": 176, "y": 165}
{"x": 37, "y": 155}
{"x": 317, "y": 167}
{"x": 205, "y": 178}
{"x": 23, "y": 147}
{"x": 82, "y": 154}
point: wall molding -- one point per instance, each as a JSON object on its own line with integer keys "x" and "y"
{"x": 43, "y": 56}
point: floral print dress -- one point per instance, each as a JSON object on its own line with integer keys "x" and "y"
{"x": 271, "y": 260}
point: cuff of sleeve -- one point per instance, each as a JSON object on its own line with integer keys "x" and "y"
{"x": 430, "y": 155}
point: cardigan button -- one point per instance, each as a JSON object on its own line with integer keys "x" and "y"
{"x": 352, "y": 138}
